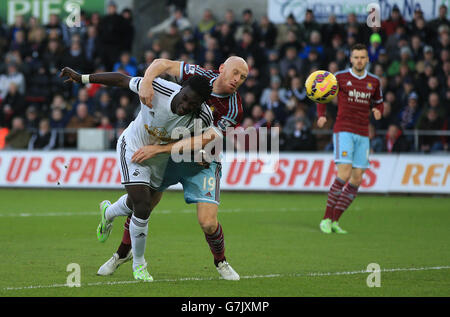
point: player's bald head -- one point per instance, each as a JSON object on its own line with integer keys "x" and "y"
{"x": 236, "y": 61}
{"x": 233, "y": 72}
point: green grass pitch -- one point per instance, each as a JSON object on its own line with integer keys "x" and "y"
{"x": 272, "y": 241}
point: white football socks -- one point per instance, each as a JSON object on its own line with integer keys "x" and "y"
{"x": 138, "y": 234}
{"x": 119, "y": 208}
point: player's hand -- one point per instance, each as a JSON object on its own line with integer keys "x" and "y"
{"x": 146, "y": 92}
{"x": 204, "y": 164}
{"x": 204, "y": 161}
{"x": 73, "y": 75}
{"x": 145, "y": 153}
{"x": 321, "y": 121}
{"x": 376, "y": 113}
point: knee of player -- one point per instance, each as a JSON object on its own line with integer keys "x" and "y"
{"x": 142, "y": 209}
{"x": 208, "y": 225}
{"x": 355, "y": 180}
{"x": 155, "y": 200}
{"x": 344, "y": 172}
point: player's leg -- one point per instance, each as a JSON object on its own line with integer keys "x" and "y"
{"x": 125, "y": 245}
{"x": 212, "y": 229}
{"x": 343, "y": 152}
{"x": 203, "y": 188}
{"x": 123, "y": 253}
{"x": 140, "y": 196}
{"x": 123, "y": 206}
{"x": 207, "y": 219}
{"x": 346, "y": 198}
{"x": 109, "y": 212}
{"x": 350, "y": 190}
{"x": 124, "y": 249}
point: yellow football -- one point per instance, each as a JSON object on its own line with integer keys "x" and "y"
{"x": 321, "y": 86}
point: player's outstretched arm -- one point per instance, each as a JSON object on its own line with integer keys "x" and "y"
{"x": 157, "y": 67}
{"x": 114, "y": 79}
{"x": 193, "y": 143}
{"x": 321, "y": 110}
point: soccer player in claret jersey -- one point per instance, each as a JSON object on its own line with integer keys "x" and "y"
{"x": 359, "y": 93}
{"x": 225, "y": 104}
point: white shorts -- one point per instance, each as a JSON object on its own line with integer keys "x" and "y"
{"x": 149, "y": 173}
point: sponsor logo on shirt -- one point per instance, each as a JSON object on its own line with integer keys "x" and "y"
{"x": 359, "y": 96}
{"x": 189, "y": 69}
{"x": 223, "y": 124}
{"x": 159, "y": 133}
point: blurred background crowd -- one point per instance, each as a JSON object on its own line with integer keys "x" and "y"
{"x": 412, "y": 60}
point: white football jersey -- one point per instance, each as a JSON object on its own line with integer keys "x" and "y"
{"x": 155, "y": 125}
{"x": 158, "y": 124}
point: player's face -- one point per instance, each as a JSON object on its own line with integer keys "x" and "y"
{"x": 234, "y": 75}
{"x": 359, "y": 59}
{"x": 187, "y": 102}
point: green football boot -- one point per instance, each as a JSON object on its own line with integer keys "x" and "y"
{"x": 104, "y": 227}
{"x": 141, "y": 273}
{"x": 336, "y": 229}
{"x": 325, "y": 225}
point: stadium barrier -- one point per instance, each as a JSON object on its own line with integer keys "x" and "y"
{"x": 310, "y": 172}
{"x": 99, "y": 139}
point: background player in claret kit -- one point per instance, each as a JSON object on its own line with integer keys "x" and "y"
{"x": 172, "y": 107}
{"x": 358, "y": 91}
{"x": 225, "y": 104}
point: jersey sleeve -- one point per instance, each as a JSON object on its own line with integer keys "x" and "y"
{"x": 234, "y": 115}
{"x": 321, "y": 109}
{"x": 208, "y": 120}
{"x": 378, "y": 97}
{"x": 164, "y": 86}
{"x": 162, "y": 90}
{"x": 134, "y": 84}
{"x": 189, "y": 70}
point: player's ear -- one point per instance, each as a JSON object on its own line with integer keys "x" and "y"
{"x": 221, "y": 68}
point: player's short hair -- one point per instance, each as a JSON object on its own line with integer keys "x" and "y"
{"x": 200, "y": 85}
{"x": 358, "y": 47}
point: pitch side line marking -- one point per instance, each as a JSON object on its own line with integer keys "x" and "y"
{"x": 444, "y": 267}
{"x": 162, "y": 212}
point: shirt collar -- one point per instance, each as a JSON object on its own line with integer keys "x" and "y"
{"x": 359, "y": 77}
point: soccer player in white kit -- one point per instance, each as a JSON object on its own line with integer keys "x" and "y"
{"x": 173, "y": 107}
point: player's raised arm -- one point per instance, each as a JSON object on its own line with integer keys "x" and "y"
{"x": 157, "y": 67}
{"x": 114, "y": 79}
